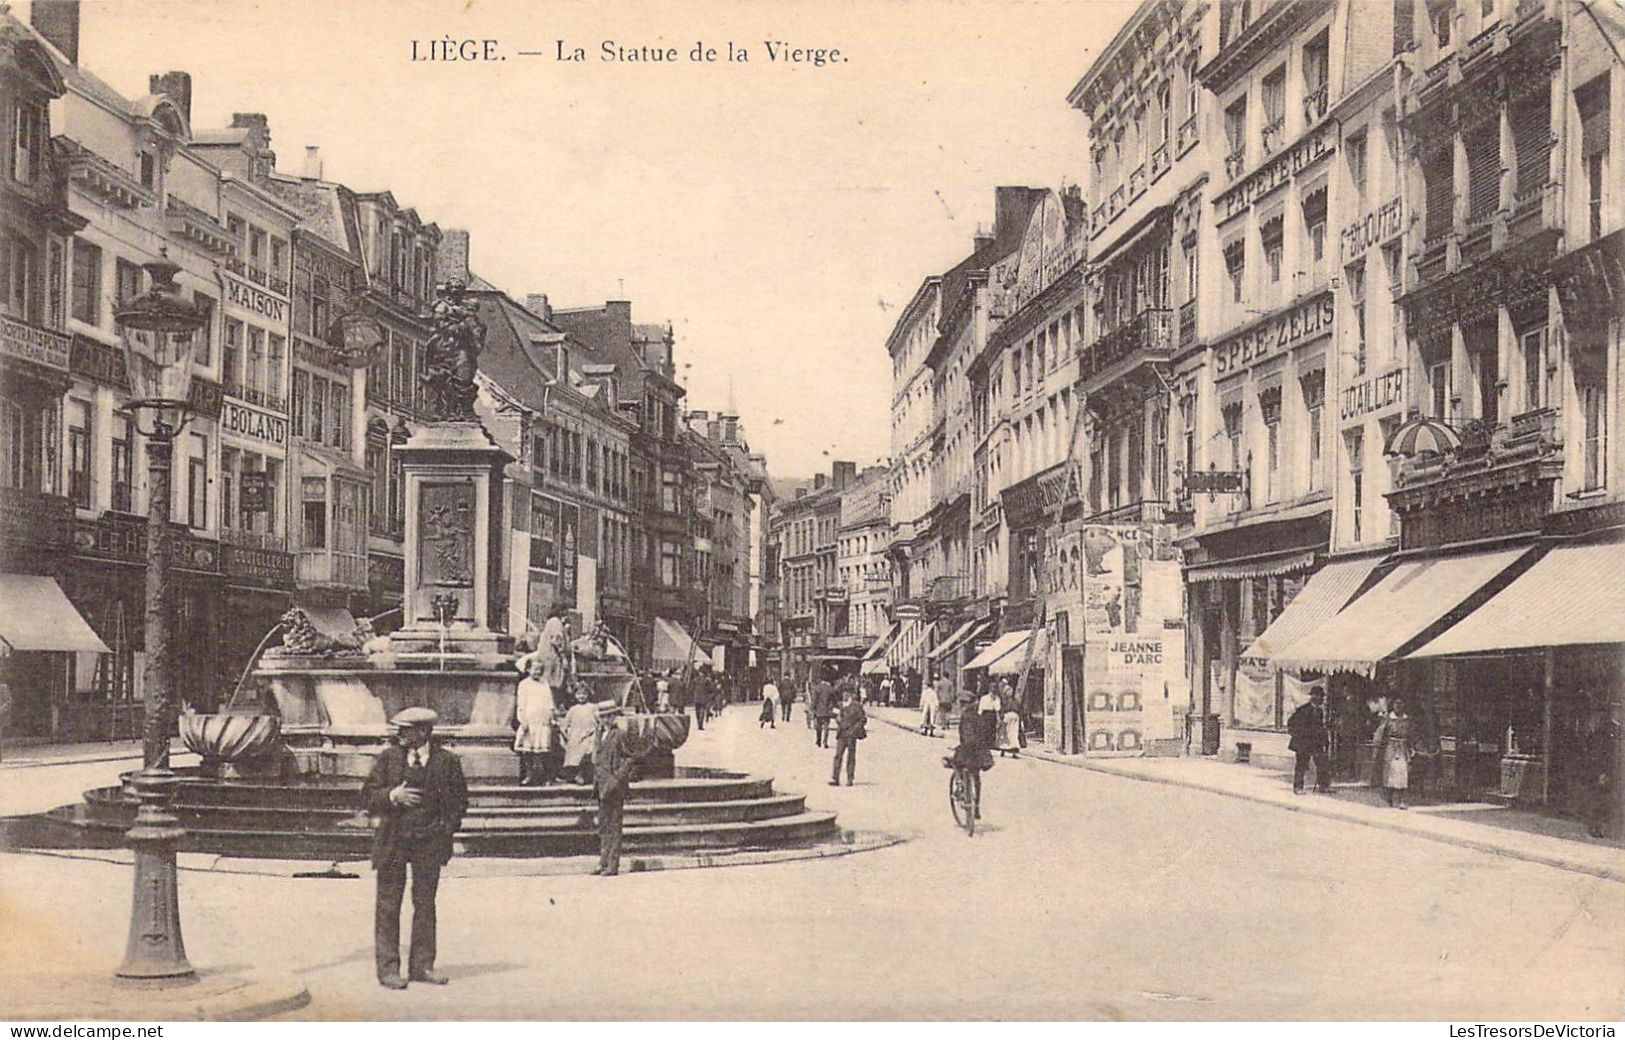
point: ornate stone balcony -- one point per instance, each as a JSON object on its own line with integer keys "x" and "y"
{"x": 1137, "y": 182}
{"x": 1234, "y": 163}
{"x": 1314, "y": 105}
{"x": 1159, "y": 160}
{"x": 1147, "y": 337}
{"x": 1185, "y": 136}
{"x": 1274, "y": 134}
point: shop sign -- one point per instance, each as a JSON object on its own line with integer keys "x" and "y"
{"x": 544, "y": 527}
{"x": 268, "y": 566}
{"x": 1274, "y": 335}
{"x": 98, "y": 362}
{"x": 1277, "y": 173}
{"x": 205, "y": 398}
{"x": 19, "y": 339}
{"x": 1375, "y": 394}
{"x": 126, "y": 541}
{"x": 253, "y": 493}
{"x": 247, "y": 420}
{"x": 255, "y": 300}
{"x": 1215, "y": 482}
{"x": 907, "y": 612}
{"x": 1379, "y": 225}
{"x": 835, "y": 594}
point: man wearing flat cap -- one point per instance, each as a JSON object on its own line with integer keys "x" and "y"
{"x": 417, "y": 796}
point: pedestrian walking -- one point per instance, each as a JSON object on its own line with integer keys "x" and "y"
{"x": 886, "y": 691}
{"x": 850, "y": 727}
{"x": 788, "y": 696}
{"x": 1392, "y": 766}
{"x": 770, "y": 706}
{"x": 612, "y": 767}
{"x": 928, "y": 709}
{"x": 534, "y": 706}
{"x": 1010, "y": 735}
{"x": 663, "y": 702}
{"x": 822, "y": 706}
{"x": 1601, "y": 760}
{"x": 1311, "y": 740}
{"x": 417, "y": 795}
{"x": 580, "y": 736}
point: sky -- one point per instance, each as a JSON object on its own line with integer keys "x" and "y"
{"x": 777, "y": 215}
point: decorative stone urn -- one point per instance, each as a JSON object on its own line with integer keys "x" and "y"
{"x": 234, "y": 745}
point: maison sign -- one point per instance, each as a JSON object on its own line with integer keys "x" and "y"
{"x": 1273, "y": 335}
{"x": 254, "y": 299}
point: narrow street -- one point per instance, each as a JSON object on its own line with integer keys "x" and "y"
{"x": 1081, "y": 896}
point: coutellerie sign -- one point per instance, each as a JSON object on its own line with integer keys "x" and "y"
{"x": 19, "y": 339}
{"x": 1274, "y": 335}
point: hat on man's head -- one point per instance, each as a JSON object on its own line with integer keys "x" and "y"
{"x": 414, "y": 717}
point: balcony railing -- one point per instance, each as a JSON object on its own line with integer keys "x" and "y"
{"x": 1100, "y": 217}
{"x": 1314, "y": 105}
{"x": 253, "y": 539}
{"x": 1146, "y": 511}
{"x": 1233, "y": 163}
{"x": 1530, "y": 437}
{"x": 1274, "y": 134}
{"x": 254, "y": 395}
{"x": 331, "y": 567}
{"x": 1116, "y": 201}
{"x": 1159, "y": 160}
{"x": 948, "y": 587}
{"x": 1148, "y": 334}
{"x": 1136, "y": 182}
{"x": 1185, "y": 136}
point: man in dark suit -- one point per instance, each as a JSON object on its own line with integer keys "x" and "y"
{"x": 1310, "y": 742}
{"x": 822, "y": 707}
{"x": 612, "y": 765}
{"x": 417, "y": 795}
{"x": 850, "y": 727}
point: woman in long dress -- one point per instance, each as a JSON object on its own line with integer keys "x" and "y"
{"x": 534, "y": 707}
{"x": 1393, "y": 740}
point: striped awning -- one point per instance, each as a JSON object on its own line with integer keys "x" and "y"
{"x": 1000, "y": 646}
{"x": 1412, "y": 598}
{"x": 1254, "y": 567}
{"x": 879, "y": 646}
{"x": 1010, "y": 663}
{"x": 1573, "y": 596}
{"x": 964, "y": 633}
{"x": 1327, "y": 592}
{"x": 35, "y": 614}
{"x": 673, "y": 646}
{"x": 910, "y": 645}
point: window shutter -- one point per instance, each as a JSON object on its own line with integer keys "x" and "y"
{"x": 1483, "y": 170}
{"x": 1532, "y": 138}
{"x": 1594, "y": 123}
{"x": 1436, "y": 173}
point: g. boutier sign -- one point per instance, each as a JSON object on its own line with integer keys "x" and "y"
{"x": 1215, "y": 482}
{"x": 1273, "y": 335}
{"x": 245, "y": 420}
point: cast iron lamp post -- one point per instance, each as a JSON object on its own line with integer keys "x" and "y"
{"x": 157, "y": 328}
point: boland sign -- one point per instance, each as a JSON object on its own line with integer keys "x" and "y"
{"x": 246, "y": 420}
{"x": 255, "y": 300}
{"x": 1379, "y": 225}
{"x": 1274, "y": 335}
{"x": 1373, "y": 395}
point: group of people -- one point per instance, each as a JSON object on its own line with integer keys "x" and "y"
{"x": 838, "y": 704}
{"x": 994, "y": 703}
{"x": 677, "y": 691}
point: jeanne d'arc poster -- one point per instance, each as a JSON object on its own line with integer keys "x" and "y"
{"x": 1113, "y": 600}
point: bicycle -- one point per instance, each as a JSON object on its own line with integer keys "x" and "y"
{"x": 964, "y": 794}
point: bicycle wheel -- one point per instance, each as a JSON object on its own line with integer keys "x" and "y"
{"x": 957, "y": 796}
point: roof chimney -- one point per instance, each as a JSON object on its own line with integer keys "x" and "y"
{"x": 313, "y": 163}
{"x": 842, "y": 474}
{"x": 451, "y": 257}
{"x": 981, "y": 240}
{"x": 537, "y": 303}
{"x": 177, "y": 86}
{"x": 818, "y": 481}
{"x": 58, "y": 22}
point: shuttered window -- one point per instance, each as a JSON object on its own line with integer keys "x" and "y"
{"x": 1437, "y": 177}
{"x": 1532, "y": 138}
{"x": 1593, "y": 101}
{"x": 1483, "y": 170}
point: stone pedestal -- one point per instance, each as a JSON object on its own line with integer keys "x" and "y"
{"x": 454, "y": 526}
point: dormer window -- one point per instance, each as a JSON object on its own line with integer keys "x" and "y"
{"x": 28, "y": 141}
{"x": 149, "y": 169}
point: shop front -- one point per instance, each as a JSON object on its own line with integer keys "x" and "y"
{"x": 45, "y": 645}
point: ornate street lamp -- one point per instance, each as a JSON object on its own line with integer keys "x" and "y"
{"x": 157, "y": 328}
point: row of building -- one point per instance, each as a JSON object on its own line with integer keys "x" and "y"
{"x": 287, "y": 487}
{"x": 1314, "y": 379}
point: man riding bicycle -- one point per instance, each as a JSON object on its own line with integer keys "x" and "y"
{"x": 977, "y": 735}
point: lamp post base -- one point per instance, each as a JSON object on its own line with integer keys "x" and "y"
{"x": 155, "y": 951}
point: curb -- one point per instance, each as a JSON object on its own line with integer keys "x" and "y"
{"x": 1326, "y": 811}
{"x": 86, "y": 759}
{"x": 475, "y": 867}
{"x": 212, "y": 998}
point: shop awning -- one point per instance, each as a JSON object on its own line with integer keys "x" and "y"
{"x": 910, "y": 644}
{"x": 35, "y": 615}
{"x": 1400, "y": 607}
{"x": 1253, "y": 567}
{"x": 673, "y": 647}
{"x": 999, "y": 647}
{"x": 879, "y": 646}
{"x": 874, "y": 666}
{"x": 1327, "y": 592}
{"x": 1572, "y": 596}
{"x": 1010, "y": 663}
{"x": 964, "y": 633}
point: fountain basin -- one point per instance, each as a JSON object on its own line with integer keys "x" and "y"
{"x": 233, "y": 744}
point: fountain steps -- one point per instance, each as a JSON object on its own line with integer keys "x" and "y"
{"x": 319, "y": 818}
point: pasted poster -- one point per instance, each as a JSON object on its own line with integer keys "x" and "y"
{"x": 1129, "y": 594}
{"x": 569, "y": 528}
{"x": 544, "y": 534}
